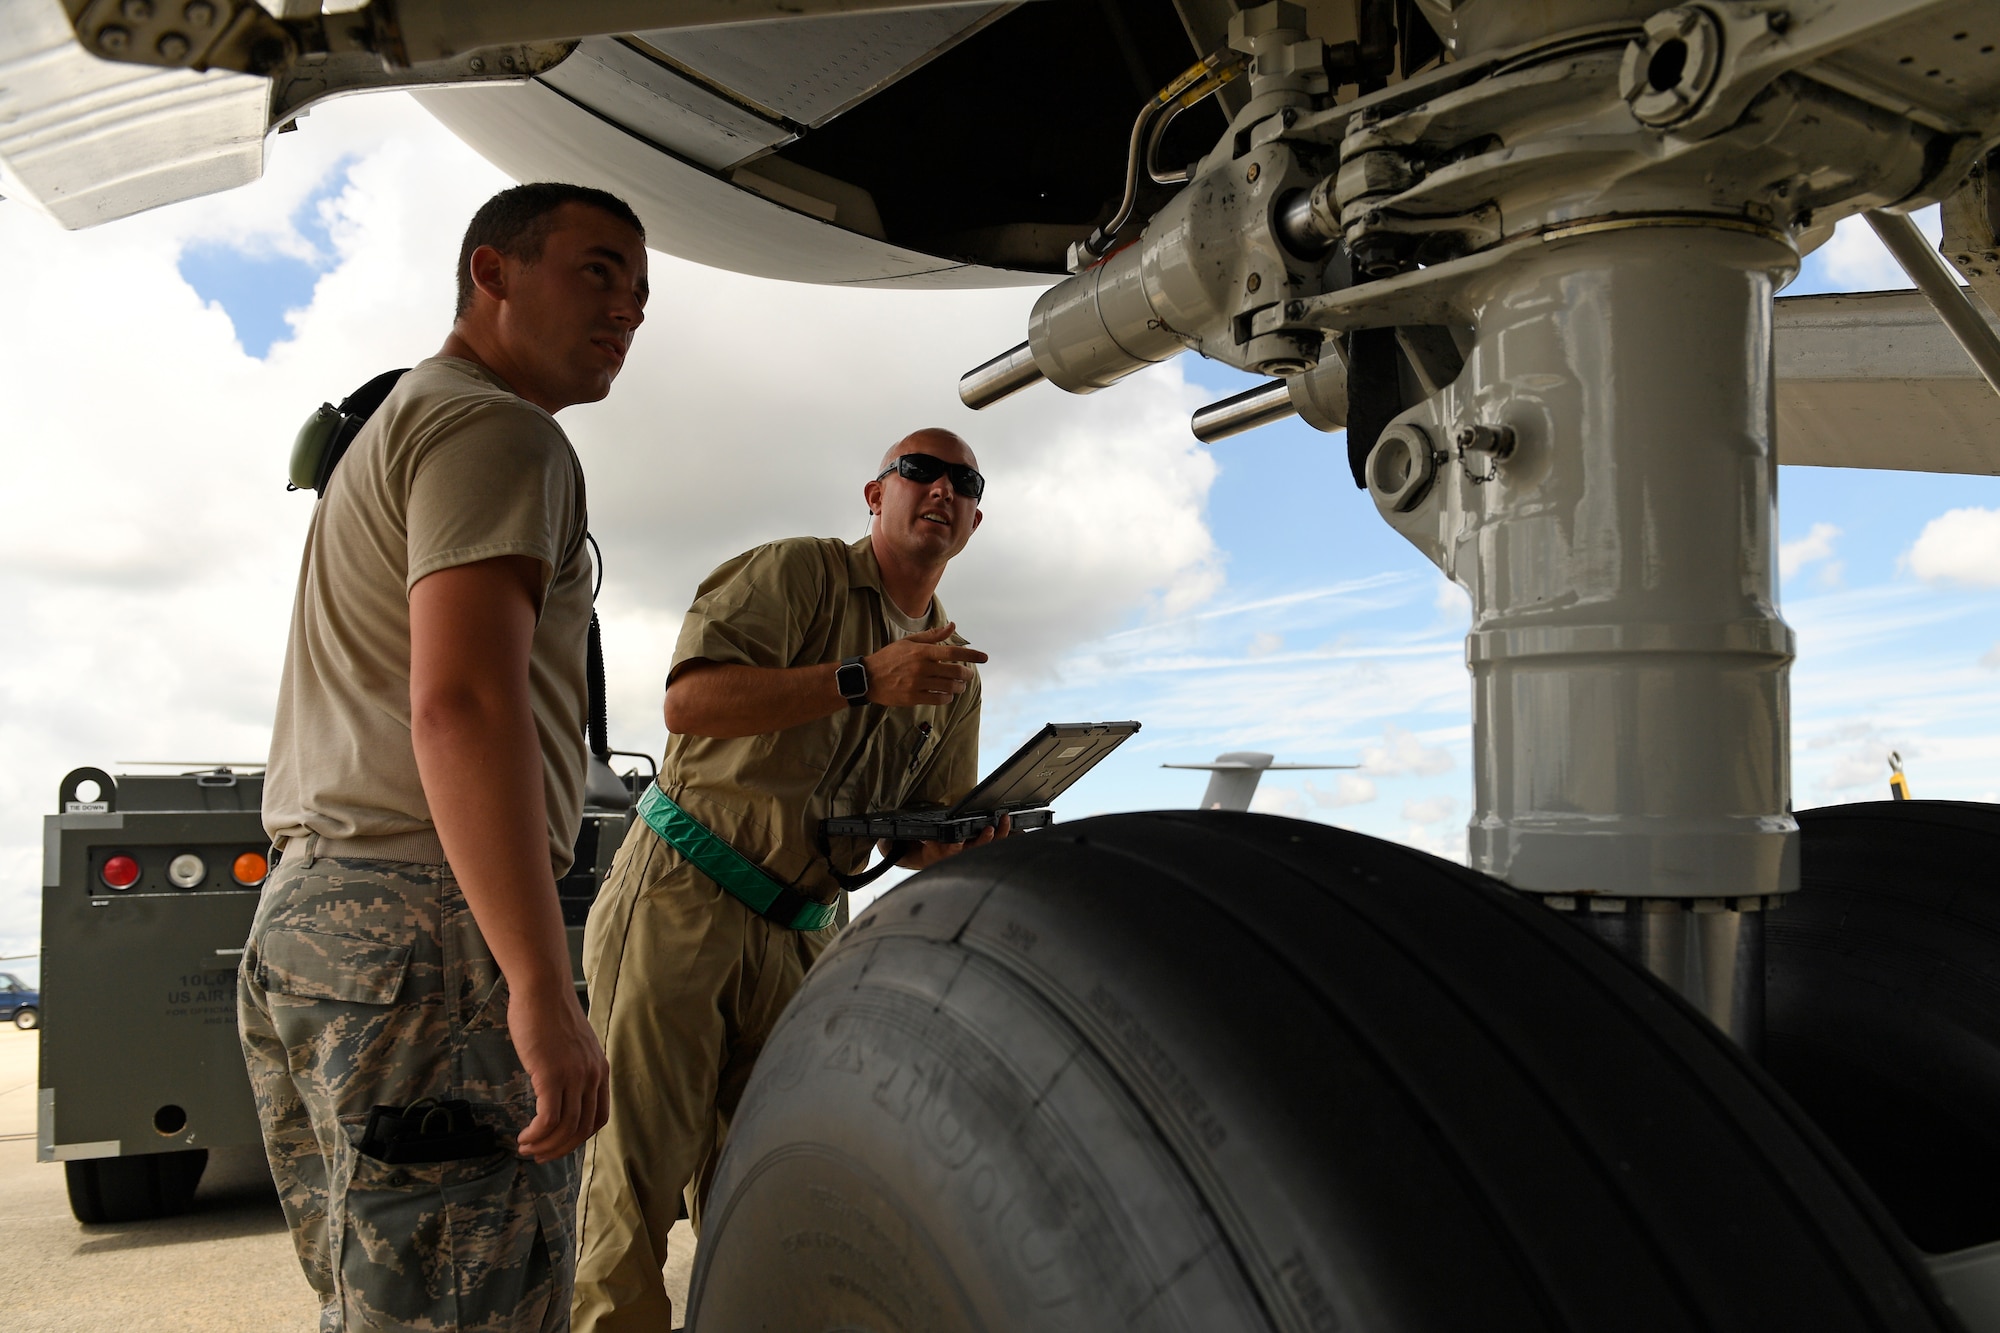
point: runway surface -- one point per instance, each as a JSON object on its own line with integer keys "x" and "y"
{"x": 225, "y": 1267}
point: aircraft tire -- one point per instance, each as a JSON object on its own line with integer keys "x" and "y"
{"x": 133, "y": 1189}
{"x": 1882, "y": 995}
{"x": 1228, "y": 1072}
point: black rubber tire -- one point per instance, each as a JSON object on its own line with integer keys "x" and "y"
{"x": 133, "y": 1189}
{"x": 1215, "y": 1071}
{"x": 1882, "y": 995}
{"x": 27, "y": 1018}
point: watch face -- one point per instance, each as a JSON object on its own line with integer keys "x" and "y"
{"x": 851, "y": 680}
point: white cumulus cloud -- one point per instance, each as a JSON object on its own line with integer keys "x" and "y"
{"x": 1817, "y": 544}
{"x": 1857, "y": 261}
{"x": 1451, "y": 600}
{"x": 1447, "y": 844}
{"x": 1959, "y": 546}
{"x": 1278, "y": 801}
{"x": 1857, "y": 757}
{"x": 1347, "y": 789}
{"x": 1429, "y": 809}
{"x": 1858, "y": 769}
{"x": 1403, "y": 754}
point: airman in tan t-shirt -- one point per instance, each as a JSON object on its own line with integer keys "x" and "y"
{"x": 421, "y": 1063}
{"x": 453, "y": 468}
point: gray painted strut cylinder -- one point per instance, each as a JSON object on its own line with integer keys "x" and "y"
{"x": 1629, "y": 702}
{"x": 1630, "y": 729}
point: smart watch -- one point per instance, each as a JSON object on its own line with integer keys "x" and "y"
{"x": 851, "y": 679}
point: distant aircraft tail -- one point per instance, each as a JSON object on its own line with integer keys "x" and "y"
{"x": 1234, "y": 776}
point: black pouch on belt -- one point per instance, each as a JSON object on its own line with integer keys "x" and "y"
{"x": 428, "y": 1130}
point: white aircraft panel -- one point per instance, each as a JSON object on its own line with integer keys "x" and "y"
{"x": 654, "y": 101}
{"x": 85, "y": 140}
{"x": 1876, "y": 380}
{"x": 809, "y": 70}
{"x": 533, "y": 133}
{"x": 1919, "y": 67}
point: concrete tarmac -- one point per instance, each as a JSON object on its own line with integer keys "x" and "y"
{"x": 224, "y": 1267}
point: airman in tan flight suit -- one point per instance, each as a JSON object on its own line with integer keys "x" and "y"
{"x": 813, "y": 677}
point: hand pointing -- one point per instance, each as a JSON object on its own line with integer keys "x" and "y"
{"x": 922, "y": 669}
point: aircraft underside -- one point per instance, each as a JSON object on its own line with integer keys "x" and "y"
{"x": 1668, "y": 1055}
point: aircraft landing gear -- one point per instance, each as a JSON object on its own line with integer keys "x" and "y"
{"x": 1231, "y": 1072}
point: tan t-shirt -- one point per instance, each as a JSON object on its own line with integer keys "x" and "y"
{"x": 453, "y": 468}
{"x": 795, "y": 603}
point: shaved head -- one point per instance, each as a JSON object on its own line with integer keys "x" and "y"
{"x": 917, "y": 526}
{"x": 930, "y": 440}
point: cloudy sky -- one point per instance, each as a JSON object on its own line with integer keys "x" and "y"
{"x": 1244, "y": 596}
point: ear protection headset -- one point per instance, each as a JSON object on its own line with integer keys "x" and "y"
{"x": 318, "y": 450}
{"x": 328, "y": 432}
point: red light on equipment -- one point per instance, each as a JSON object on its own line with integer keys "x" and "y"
{"x": 250, "y": 868}
{"x": 120, "y": 872}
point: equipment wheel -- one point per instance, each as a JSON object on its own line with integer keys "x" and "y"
{"x": 1882, "y": 994}
{"x": 1229, "y": 1072}
{"x": 27, "y": 1018}
{"x": 132, "y": 1189}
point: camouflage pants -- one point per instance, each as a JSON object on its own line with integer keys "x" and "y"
{"x": 367, "y": 983}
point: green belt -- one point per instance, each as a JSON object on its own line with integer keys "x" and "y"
{"x": 735, "y": 872}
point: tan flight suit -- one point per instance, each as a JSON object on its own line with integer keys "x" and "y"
{"x": 685, "y": 981}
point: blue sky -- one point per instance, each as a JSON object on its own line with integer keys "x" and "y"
{"x": 261, "y": 283}
{"x": 1239, "y": 596}
{"x": 1328, "y": 630}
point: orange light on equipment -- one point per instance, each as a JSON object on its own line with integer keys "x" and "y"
{"x": 250, "y": 868}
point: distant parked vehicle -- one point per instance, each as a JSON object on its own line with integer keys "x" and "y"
{"x": 20, "y": 1002}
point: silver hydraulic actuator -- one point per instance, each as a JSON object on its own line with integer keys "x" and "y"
{"x": 1213, "y": 271}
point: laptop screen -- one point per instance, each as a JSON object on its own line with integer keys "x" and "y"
{"x": 1044, "y": 768}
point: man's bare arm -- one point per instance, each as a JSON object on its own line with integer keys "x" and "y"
{"x": 471, "y": 628}
{"x": 725, "y": 699}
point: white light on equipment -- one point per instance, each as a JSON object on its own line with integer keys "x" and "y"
{"x": 186, "y": 870}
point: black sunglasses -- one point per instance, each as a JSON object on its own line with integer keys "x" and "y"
{"x": 924, "y": 469}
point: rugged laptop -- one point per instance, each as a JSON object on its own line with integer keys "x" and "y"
{"x": 1023, "y": 787}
